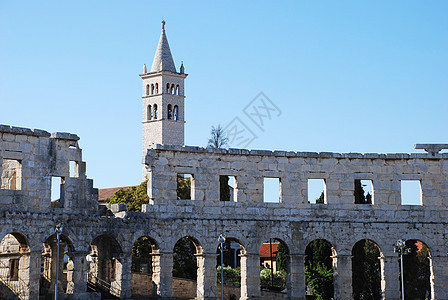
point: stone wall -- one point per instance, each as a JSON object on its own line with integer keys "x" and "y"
{"x": 90, "y": 234}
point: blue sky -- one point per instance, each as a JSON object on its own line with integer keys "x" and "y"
{"x": 347, "y": 76}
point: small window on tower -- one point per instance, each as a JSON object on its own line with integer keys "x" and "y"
{"x": 152, "y": 89}
{"x": 147, "y": 89}
{"x": 177, "y": 90}
{"x": 157, "y": 88}
{"x": 172, "y": 89}
{"x": 155, "y": 111}
{"x": 167, "y": 88}
{"x": 149, "y": 117}
{"x": 170, "y": 112}
{"x": 176, "y": 113}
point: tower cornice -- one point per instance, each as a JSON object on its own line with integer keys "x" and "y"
{"x": 161, "y": 73}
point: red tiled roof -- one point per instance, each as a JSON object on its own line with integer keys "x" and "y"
{"x": 265, "y": 249}
{"x": 103, "y": 194}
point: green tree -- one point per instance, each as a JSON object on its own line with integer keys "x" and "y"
{"x": 416, "y": 271}
{"x": 184, "y": 262}
{"x": 366, "y": 271}
{"x": 321, "y": 198}
{"x": 183, "y": 187}
{"x": 133, "y": 197}
{"x": 320, "y": 280}
{"x": 282, "y": 253}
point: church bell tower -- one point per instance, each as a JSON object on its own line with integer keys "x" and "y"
{"x": 163, "y": 98}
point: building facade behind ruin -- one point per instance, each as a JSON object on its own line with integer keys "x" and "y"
{"x": 97, "y": 241}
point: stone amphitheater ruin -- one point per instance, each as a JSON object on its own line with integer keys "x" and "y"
{"x": 98, "y": 239}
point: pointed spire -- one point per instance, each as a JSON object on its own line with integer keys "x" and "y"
{"x": 182, "y": 69}
{"x": 163, "y": 61}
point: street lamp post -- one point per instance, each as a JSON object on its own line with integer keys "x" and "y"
{"x": 58, "y": 231}
{"x": 222, "y": 240}
{"x": 400, "y": 248}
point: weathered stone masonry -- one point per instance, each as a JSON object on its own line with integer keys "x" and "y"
{"x": 107, "y": 236}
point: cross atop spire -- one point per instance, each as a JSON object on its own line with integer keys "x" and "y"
{"x": 163, "y": 60}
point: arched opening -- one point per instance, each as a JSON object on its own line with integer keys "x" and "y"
{"x": 319, "y": 269}
{"x": 105, "y": 266}
{"x": 170, "y": 112}
{"x": 167, "y": 88}
{"x": 50, "y": 267}
{"x": 232, "y": 249}
{"x": 152, "y": 89}
{"x": 144, "y": 250}
{"x": 185, "y": 265}
{"x": 172, "y": 89}
{"x": 149, "y": 112}
{"x": 274, "y": 260}
{"x": 366, "y": 270}
{"x": 416, "y": 270}
{"x": 176, "y": 113}
{"x": 157, "y": 88}
{"x": 147, "y": 89}
{"x": 177, "y": 90}
{"x": 14, "y": 264}
{"x": 155, "y": 113}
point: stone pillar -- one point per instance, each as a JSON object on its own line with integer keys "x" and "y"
{"x": 296, "y": 284}
{"x": 439, "y": 277}
{"x": 342, "y": 277}
{"x": 34, "y": 274}
{"x": 123, "y": 276}
{"x": 162, "y": 274}
{"x": 206, "y": 279}
{"x": 250, "y": 276}
{"x": 79, "y": 275}
{"x": 390, "y": 278}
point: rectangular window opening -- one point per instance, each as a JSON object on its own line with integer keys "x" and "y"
{"x": 411, "y": 192}
{"x": 14, "y": 269}
{"x": 74, "y": 169}
{"x": 272, "y": 190}
{"x": 11, "y": 177}
{"x": 227, "y": 191}
{"x": 363, "y": 191}
{"x": 185, "y": 186}
{"x": 317, "y": 193}
{"x": 57, "y": 191}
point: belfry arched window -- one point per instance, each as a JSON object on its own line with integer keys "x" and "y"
{"x": 176, "y": 113}
{"x": 172, "y": 89}
{"x": 155, "y": 111}
{"x": 170, "y": 112}
{"x": 147, "y": 89}
{"x": 157, "y": 88}
{"x": 152, "y": 89}
{"x": 167, "y": 88}
{"x": 149, "y": 116}
{"x": 177, "y": 90}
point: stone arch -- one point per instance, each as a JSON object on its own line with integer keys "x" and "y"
{"x": 274, "y": 259}
{"x": 149, "y": 113}
{"x": 155, "y": 112}
{"x": 152, "y": 89}
{"x": 366, "y": 270}
{"x": 417, "y": 270}
{"x": 145, "y": 255}
{"x": 105, "y": 263}
{"x": 49, "y": 264}
{"x": 147, "y": 90}
{"x": 14, "y": 261}
{"x": 170, "y": 112}
{"x": 157, "y": 88}
{"x": 176, "y": 113}
{"x": 177, "y": 90}
{"x": 167, "y": 88}
{"x": 319, "y": 260}
{"x": 173, "y": 90}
